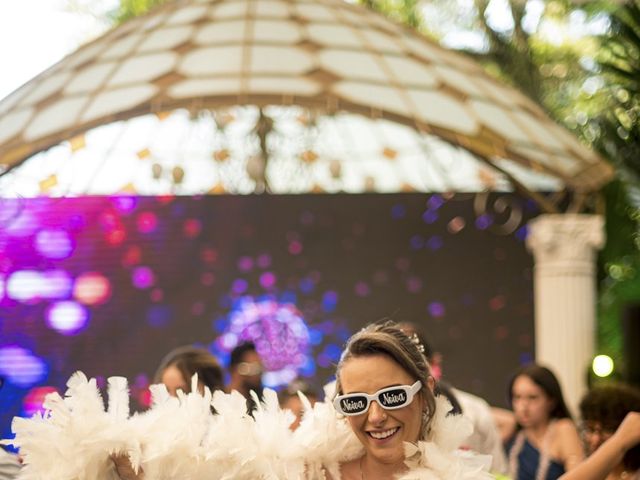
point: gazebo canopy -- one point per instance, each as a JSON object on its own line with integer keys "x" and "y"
{"x": 321, "y": 58}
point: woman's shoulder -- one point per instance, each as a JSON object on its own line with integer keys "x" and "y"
{"x": 567, "y": 446}
{"x": 565, "y": 426}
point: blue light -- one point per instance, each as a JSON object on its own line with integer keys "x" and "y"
{"x": 21, "y": 367}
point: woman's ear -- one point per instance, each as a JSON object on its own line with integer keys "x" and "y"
{"x": 431, "y": 383}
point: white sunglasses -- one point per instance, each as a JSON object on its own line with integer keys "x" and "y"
{"x": 389, "y": 398}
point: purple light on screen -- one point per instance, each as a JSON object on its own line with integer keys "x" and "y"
{"x": 522, "y": 233}
{"x": 362, "y": 289}
{"x": 245, "y": 264}
{"x": 22, "y": 226}
{"x": 329, "y": 301}
{"x": 67, "y": 318}
{"x": 1, "y": 288}
{"x": 436, "y": 309}
{"x": 24, "y": 285}
{"x": 21, "y": 367}
{"x": 417, "y": 242}
{"x": 278, "y": 331}
{"x": 125, "y": 204}
{"x": 159, "y": 316}
{"x": 307, "y": 285}
{"x": 483, "y": 222}
{"x": 430, "y": 216}
{"x": 229, "y": 341}
{"x": 434, "y": 243}
{"x": 142, "y": 277}
{"x": 54, "y": 243}
{"x": 267, "y": 280}
{"x": 239, "y": 286}
{"x": 435, "y": 202}
{"x": 264, "y": 260}
{"x": 55, "y": 284}
{"x": 398, "y": 211}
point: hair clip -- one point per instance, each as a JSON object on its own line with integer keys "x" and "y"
{"x": 416, "y": 341}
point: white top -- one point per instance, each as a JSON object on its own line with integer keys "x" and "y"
{"x": 485, "y": 438}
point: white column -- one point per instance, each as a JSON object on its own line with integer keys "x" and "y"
{"x": 564, "y": 247}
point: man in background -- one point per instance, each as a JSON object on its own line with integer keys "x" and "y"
{"x": 245, "y": 370}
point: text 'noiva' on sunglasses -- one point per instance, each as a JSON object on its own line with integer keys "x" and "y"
{"x": 389, "y": 398}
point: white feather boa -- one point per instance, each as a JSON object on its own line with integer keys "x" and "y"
{"x": 179, "y": 438}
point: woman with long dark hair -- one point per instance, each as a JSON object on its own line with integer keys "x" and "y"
{"x": 545, "y": 443}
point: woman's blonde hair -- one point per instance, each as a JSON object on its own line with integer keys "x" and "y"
{"x": 386, "y": 338}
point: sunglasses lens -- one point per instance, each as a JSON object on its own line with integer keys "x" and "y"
{"x": 353, "y": 405}
{"x": 247, "y": 369}
{"x": 393, "y": 398}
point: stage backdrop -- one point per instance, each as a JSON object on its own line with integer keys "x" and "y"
{"x": 109, "y": 285}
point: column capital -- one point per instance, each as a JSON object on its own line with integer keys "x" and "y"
{"x": 566, "y": 240}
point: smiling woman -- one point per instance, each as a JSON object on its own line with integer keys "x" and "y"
{"x": 385, "y": 390}
{"x": 386, "y": 425}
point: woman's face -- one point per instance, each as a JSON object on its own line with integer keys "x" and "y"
{"x": 382, "y": 432}
{"x": 531, "y": 405}
{"x": 173, "y": 380}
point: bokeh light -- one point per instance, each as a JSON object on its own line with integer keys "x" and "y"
{"x": 92, "y": 288}
{"x": 192, "y": 227}
{"x": 33, "y": 401}
{"x": 67, "y": 318}
{"x": 279, "y": 332}
{"x": 54, "y": 243}
{"x": 147, "y": 222}
{"x": 143, "y": 277}
{"x": 21, "y": 367}
{"x": 125, "y": 204}
{"x": 29, "y": 286}
{"x": 603, "y": 365}
{"x": 23, "y": 285}
{"x": 55, "y": 284}
{"x": 436, "y": 309}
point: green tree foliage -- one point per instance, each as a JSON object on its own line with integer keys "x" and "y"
{"x": 616, "y": 131}
{"x": 133, "y": 8}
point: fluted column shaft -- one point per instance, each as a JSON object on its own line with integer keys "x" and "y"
{"x": 564, "y": 248}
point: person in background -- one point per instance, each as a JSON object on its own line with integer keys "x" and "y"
{"x": 601, "y": 464}
{"x": 175, "y": 371}
{"x": 290, "y": 400}
{"x": 602, "y": 410}
{"x": 179, "y": 365}
{"x": 245, "y": 370}
{"x": 545, "y": 443}
{"x": 485, "y": 438}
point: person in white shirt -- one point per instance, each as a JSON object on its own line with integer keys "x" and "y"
{"x": 485, "y": 438}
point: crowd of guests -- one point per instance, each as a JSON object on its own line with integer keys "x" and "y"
{"x": 386, "y": 386}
